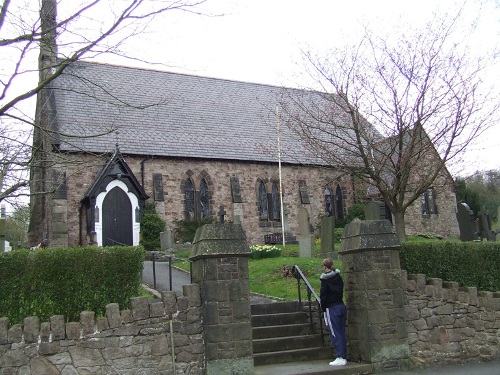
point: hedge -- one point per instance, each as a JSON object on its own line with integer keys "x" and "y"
{"x": 473, "y": 264}
{"x": 66, "y": 281}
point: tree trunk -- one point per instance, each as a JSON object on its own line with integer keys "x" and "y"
{"x": 399, "y": 218}
{"x": 40, "y": 177}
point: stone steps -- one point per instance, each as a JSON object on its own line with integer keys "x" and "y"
{"x": 284, "y": 344}
{"x": 282, "y": 333}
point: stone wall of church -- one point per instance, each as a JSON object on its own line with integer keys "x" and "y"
{"x": 81, "y": 173}
{"x": 218, "y": 175}
{"x": 444, "y": 222}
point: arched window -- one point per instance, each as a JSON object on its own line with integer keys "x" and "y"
{"x": 276, "y": 202}
{"x": 429, "y": 206}
{"x": 339, "y": 203}
{"x": 262, "y": 201}
{"x": 328, "y": 202}
{"x": 204, "y": 201}
{"x": 189, "y": 199}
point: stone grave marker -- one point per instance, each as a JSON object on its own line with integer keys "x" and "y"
{"x": 465, "y": 218}
{"x": 306, "y": 238}
{"x": 483, "y": 227}
{"x": 328, "y": 237}
{"x": 2, "y": 229}
{"x": 166, "y": 239}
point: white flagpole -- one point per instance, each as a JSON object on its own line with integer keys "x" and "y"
{"x": 279, "y": 169}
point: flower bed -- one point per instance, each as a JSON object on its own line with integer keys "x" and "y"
{"x": 264, "y": 251}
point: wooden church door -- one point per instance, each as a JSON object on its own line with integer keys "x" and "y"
{"x": 117, "y": 219}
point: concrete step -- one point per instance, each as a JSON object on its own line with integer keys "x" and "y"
{"x": 313, "y": 367}
{"x": 274, "y": 344}
{"x": 274, "y": 308}
{"x": 294, "y": 355}
{"x": 275, "y": 319}
{"x": 281, "y": 330}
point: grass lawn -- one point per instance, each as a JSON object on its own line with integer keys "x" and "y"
{"x": 267, "y": 276}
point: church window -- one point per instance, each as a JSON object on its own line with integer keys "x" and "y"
{"x": 328, "y": 202}
{"x": 339, "y": 203}
{"x": 204, "y": 201}
{"x": 275, "y": 202}
{"x": 189, "y": 199}
{"x": 263, "y": 209}
{"x": 429, "y": 206}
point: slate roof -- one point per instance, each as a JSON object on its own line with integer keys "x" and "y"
{"x": 159, "y": 113}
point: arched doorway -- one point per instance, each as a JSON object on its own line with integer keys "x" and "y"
{"x": 117, "y": 228}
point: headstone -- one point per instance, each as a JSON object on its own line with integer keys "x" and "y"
{"x": 2, "y": 229}
{"x": 237, "y": 213}
{"x": 306, "y": 238}
{"x": 328, "y": 237}
{"x": 166, "y": 240}
{"x": 7, "y": 246}
{"x": 375, "y": 210}
{"x": 465, "y": 218}
{"x": 483, "y": 226}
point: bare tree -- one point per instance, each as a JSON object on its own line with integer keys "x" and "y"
{"x": 394, "y": 112}
{"x": 60, "y": 32}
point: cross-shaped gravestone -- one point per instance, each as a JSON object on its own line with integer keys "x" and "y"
{"x": 222, "y": 213}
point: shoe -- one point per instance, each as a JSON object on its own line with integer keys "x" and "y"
{"x": 338, "y": 362}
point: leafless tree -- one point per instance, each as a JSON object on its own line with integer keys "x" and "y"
{"x": 39, "y": 40}
{"x": 395, "y": 112}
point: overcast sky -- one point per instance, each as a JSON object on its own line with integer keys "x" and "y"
{"x": 260, "y": 41}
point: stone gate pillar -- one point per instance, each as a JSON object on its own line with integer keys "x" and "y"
{"x": 376, "y": 327}
{"x": 220, "y": 266}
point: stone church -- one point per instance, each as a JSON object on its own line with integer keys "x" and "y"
{"x": 195, "y": 146}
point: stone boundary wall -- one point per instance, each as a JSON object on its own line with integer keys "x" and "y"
{"x": 135, "y": 341}
{"x": 451, "y": 324}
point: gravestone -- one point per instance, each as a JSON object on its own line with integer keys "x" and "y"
{"x": 306, "y": 238}
{"x": 465, "y": 218}
{"x": 374, "y": 210}
{"x": 237, "y": 213}
{"x": 166, "y": 239}
{"x": 2, "y": 229}
{"x": 483, "y": 227}
{"x": 328, "y": 237}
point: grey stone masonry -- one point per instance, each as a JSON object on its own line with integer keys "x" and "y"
{"x": 220, "y": 266}
{"x": 451, "y": 324}
{"x": 376, "y": 326}
{"x": 162, "y": 336}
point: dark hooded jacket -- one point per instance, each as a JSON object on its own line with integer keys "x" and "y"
{"x": 332, "y": 289}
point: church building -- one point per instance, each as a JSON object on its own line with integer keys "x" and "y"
{"x": 196, "y": 147}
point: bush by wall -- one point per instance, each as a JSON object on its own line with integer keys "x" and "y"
{"x": 472, "y": 264}
{"x": 59, "y": 281}
{"x": 151, "y": 226}
{"x": 184, "y": 230}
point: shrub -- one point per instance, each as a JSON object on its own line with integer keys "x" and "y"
{"x": 473, "y": 264}
{"x": 264, "y": 251}
{"x": 68, "y": 281}
{"x": 151, "y": 227}
{"x": 184, "y": 230}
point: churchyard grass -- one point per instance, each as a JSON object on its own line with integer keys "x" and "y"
{"x": 272, "y": 276}
{"x": 268, "y": 276}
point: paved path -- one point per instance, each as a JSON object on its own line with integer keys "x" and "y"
{"x": 179, "y": 278}
{"x": 483, "y": 368}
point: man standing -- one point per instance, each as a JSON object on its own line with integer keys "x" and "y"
{"x": 333, "y": 307}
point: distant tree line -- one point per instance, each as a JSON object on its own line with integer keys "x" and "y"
{"x": 481, "y": 192}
